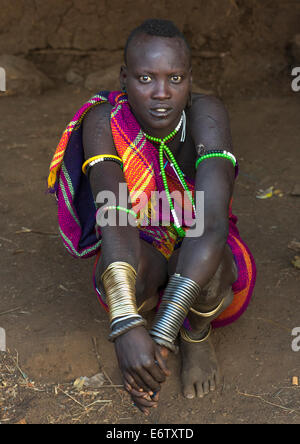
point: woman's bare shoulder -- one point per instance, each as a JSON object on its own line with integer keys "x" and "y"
{"x": 206, "y": 102}
{"x": 98, "y": 112}
{"x": 210, "y": 123}
{"x": 96, "y": 131}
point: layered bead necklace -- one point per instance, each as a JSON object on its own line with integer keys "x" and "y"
{"x": 163, "y": 149}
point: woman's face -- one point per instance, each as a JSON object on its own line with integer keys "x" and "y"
{"x": 158, "y": 82}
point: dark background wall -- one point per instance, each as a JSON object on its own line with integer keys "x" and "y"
{"x": 238, "y": 45}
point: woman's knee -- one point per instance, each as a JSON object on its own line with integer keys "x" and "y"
{"x": 220, "y": 285}
{"x": 152, "y": 272}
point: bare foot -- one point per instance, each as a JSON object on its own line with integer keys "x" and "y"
{"x": 200, "y": 371}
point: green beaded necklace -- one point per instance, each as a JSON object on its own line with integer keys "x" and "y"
{"x": 163, "y": 149}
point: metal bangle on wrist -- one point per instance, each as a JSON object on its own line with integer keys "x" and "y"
{"x": 180, "y": 294}
{"x": 133, "y": 322}
{"x": 119, "y": 283}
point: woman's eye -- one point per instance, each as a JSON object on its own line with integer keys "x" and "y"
{"x": 145, "y": 79}
{"x": 176, "y": 79}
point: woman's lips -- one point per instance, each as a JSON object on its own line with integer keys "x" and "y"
{"x": 160, "y": 112}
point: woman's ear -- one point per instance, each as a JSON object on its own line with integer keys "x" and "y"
{"x": 191, "y": 79}
{"x": 190, "y": 100}
{"x": 123, "y": 77}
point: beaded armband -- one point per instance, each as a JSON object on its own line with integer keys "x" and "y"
{"x": 119, "y": 208}
{"x": 102, "y": 210}
{"x": 100, "y": 158}
{"x": 216, "y": 153}
{"x": 205, "y": 153}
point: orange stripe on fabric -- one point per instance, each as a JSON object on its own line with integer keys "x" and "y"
{"x": 119, "y": 131}
{"x": 57, "y": 158}
{"x": 58, "y": 154}
{"x": 60, "y": 150}
{"x": 240, "y": 297}
{"x": 139, "y": 181}
{"x": 120, "y": 95}
{"x": 62, "y": 146}
{"x": 55, "y": 164}
{"x": 128, "y": 159}
{"x": 139, "y": 192}
{"x": 120, "y": 139}
{"x": 125, "y": 137}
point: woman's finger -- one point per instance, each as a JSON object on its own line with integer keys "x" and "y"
{"x": 164, "y": 352}
{"x": 130, "y": 383}
{"x": 155, "y": 396}
{"x": 137, "y": 394}
{"x": 142, "y": 402}
{"x": 161, "y": 362}
{"x": 142, "y": 380}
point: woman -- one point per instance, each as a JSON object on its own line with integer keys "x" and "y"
{"x": 151, "y": 136}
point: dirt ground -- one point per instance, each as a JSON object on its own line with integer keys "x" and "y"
{"x": 56, "y": 329}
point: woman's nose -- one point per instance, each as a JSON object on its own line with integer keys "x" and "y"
{"x": 161, "y": 90}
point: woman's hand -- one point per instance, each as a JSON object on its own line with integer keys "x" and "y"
{"x": 142, "y": 365}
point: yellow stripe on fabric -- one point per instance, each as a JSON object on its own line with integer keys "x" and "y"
{"x": 138, "y": 149}
{"x": 129, "y": 152}
{"x": 54, "y": 164}
{"x": 63, "y": 143}
{"x": 115, "y": 111}
{"x": 139, "y": 192}
{"x": 132, "y": 154}
{"x": 57, "y": 156}
{"x": 131, "y": 145}
{"x": 131, "y": 148}
{"x": 139, "y": 181}
{"x": 125, "y": 137}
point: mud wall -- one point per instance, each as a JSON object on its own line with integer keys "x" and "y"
{"x": 237, "y": 44}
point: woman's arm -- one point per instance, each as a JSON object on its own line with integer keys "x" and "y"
{"x": 136, "y": 352}
{"x": 118, "y": 243}
{"x": 200, "y": 257}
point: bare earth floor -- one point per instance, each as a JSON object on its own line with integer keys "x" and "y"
{"x": 56, "y": 329}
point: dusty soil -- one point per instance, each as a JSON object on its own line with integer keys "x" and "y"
{"x": 56, "y": 329}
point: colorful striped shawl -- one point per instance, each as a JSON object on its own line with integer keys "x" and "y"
{"x": 76, "y": 208}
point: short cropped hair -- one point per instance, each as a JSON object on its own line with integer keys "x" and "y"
{"x": 157, "y": 28}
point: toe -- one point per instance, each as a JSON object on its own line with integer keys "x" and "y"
{"x": 218, "y": 377}
{"x": 189, "y": 391}
{"x": 200, "y": 392}
{"x": 212, "y": 383}
{"x": 206, "y": 387}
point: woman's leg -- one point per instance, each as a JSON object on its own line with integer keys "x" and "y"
{"x": 200, "y": 370}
